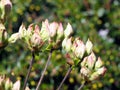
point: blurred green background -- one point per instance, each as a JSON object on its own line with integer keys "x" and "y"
{"x": 98, "y": 20}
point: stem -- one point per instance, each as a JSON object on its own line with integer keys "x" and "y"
{"x": 82, "y": 85}
{"x": 43, "y": 73}
{"x": 68, "y": 72}
{"x": 29, "y": 70}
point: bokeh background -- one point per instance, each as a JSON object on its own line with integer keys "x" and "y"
{"x": 98, "y": 20}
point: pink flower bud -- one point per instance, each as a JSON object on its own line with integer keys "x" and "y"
{"x": 97, "y": 74}
{"x": 91, "y": 60}
{"x": 67, "y": 44}
{"x": 60, "y": 31}
{"x": 36, "y": 41}
{"x": 85, "y": 72}
{"x": 68, "y": 31}
{"x": 16, "y": 85}
{"x": 101, "y": 71}
{"x": 37, "y": 29}
{"x": 98, "y": 63}
{"x": 79, "y": 48}
{"x": 30, "y": 30}
{"x": 53, "y": 29}
{"x": 89, "y": 46}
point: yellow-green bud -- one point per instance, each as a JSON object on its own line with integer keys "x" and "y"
{"x": 89, "y": 46}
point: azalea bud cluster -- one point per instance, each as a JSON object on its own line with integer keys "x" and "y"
{"x": 48, "y": 37}
{"x": 91, "y": 68}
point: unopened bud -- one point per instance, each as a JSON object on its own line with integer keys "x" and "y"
{"x": 89, "y": 46}
{"x": 3, "y": 36}
{"x": 97, "y": 74}
{"x": 101, "y": 71}
{"x": 53, "y": 29}
{"x": 91, "y": 60}
{"x": 16, "y": 85}
{"x": 22, "y": 31}
{"x": 27, "y": 88}
{"x": 45, "y": 34}
{"x": 85, "y": 72}
{"x": 98, "y": 63}
{"x": 5, "y": 6}
{"x": 36, "y": 41}
{"x": 83, "y": 63}
{"x": 60, "y": 31}
{"x": 67, "y": 44}
{"x": 8, "y": 84}
{"x": 80, "y": 49}
{"x": 14, "y": 37}
{"x": 68, "y": 31}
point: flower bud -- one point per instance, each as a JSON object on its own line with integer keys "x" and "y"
{"x": 30, "y": 30}
{"x": 91, "y": 60}
{"x": 36, "y": 41}
{"x": 101, "y": 71}
{"x": 83, "y": 63}
{"x": 98, "y": 63}
{"x": 3, "y": 36}
{"x": 45, "y": 34}
{"x": 27, "y": 88}
{"x": 14, "y": 37}
{"x": 5, "y": 6}
{"x": 97, "y": 74}
{"x": 53, "y": 29}
{"x": 60, "y": 31}
{"x": 89, "y": 46}
{"x": 16, "y": 85}
{"x": 22, "y": 31}
{"x": 67, "y": 44}
{"x": 80, "y": 49}
{"x": 68, "y": 31}
{"x": 8, "y": 84}
{"x": 94, "y": 76}
{"x": 85, "y": 72}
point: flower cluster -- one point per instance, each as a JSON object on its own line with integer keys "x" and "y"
{"x": 48, "y": 37}
{"x": 76, "y": 50}
{"x": 92, "y": 69}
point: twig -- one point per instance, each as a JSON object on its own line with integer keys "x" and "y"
{"x": 68, "y": 72}
{"x": 81, "y": 86}
{"x": 43, "y": 73}
{"x": 29, "y": 70}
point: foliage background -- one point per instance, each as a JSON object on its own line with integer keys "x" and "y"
{"x": 89, "y": 19}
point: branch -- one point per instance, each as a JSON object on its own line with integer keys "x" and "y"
{"x": 29, "y": 70}
{"x": 43, "y": 73}
{"x": 67, "y": 74}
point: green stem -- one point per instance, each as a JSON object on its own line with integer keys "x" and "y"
{"x": 43, "y": 73}
{"x": 29, "y": 70}
{"x": 67, "y": 74}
